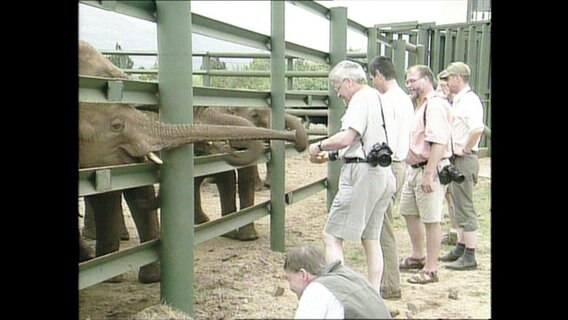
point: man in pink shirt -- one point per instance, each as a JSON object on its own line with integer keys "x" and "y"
{"x": 422, "y": 194}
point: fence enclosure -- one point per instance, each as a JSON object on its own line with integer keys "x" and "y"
{"x": 407, "y": 43}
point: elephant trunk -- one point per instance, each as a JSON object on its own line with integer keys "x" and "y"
{"x": 172, "y": 136}
{"x": 294, "y": 123}
{"x": 253, "y": 149}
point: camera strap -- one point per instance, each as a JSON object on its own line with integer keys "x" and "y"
{"x": 384, "y": 126}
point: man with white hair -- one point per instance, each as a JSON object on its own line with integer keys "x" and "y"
{"x": 365, "y": 187}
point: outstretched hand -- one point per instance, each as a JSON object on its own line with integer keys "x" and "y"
{"x": 321, "y": 157}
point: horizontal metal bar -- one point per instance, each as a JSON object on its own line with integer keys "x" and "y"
{"x": 262, "y": 73}
{"x": 323, "y": 12}
{"x": 111, "y": 265}
{"x": 94, "y": 89}
{"x": 105, "y": 267}
{"x": 227, "y": 32}
{"x": 145, "y": 10}
{"x": 306, "y": 53}
{"x": 218, "y": 227}
{"x": 308, "y": 112}
{"x": 141, "y": 174}
{"x": 121, "y": 177}
{"x": 303, "y": 192}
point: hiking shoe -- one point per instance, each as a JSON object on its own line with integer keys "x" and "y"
{"x": 448, "y": 257}
{"x": 391, "y": 294}
{"x": 462, "y": 264}
{"x": 450, "y": 238}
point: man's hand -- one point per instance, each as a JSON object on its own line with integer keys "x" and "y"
{"x": 321, "y": 157}
{"x": 314, "y": 149}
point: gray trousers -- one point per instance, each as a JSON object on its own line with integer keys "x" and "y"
{"x": 462, "y": 193}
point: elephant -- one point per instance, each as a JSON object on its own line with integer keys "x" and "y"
{"x": 248, "y": 177}
{"x": 114, "y": 133}
{"x": 260, "y": 117}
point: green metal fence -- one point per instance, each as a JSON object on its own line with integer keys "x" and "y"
{"x": 406, "y": 43}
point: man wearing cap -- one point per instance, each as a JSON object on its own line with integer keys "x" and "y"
{"x": 467, "y": 129}
{"x": 451, "y": 237}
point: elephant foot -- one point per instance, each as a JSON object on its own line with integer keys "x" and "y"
{"x": 231, "y": 234}
{"x": 199, "y": 219}
{"x": 258, "y": 186}
{"x": 149, "y": 273}
{"x": 266, "y": 184}
{"x": 116, "y": 279}
{"x": 246, "y": 233}
{"x": 89, "y": 233}
{"x": 124, "y": 235}
{"x": 85, "y": 251}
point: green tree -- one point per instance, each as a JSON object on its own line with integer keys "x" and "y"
{"x": 121, "y": 61}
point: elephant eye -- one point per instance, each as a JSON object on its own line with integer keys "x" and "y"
{"x": 116, "y": 125}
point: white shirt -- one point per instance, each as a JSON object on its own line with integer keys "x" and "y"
{"x": 468, "y": 116}
{"x": 364, "y": 116}
{"x": 399, "y": 102}
{"x": 317, "y": 302}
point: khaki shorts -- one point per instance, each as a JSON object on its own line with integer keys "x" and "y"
{"x": 415, "y": 202}
{"x": 358, "y": 208}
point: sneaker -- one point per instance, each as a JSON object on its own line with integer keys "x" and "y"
{"x": 391, "y": 295}
{"x": 448, "y": 257}
{"x": 462, "y": 264}
{"x": 450, "y": 238}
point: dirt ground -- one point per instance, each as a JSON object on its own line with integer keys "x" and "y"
{"x": 238, "y": 280}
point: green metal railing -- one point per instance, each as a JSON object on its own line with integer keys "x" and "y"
{"x": 407, "y": 43}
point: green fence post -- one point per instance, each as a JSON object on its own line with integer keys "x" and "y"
{"x": 399, "y": 60}
{"x": 436, "y": 52}
{"x": 176, "y": 177}
{"x": 372, "y": 48}
{"x": 278, "y": 102}
{"x": 206, "y": 65}
{"x": 337, "y": 53}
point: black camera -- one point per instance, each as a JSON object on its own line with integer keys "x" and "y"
{"x": 333, "y": 155}
{"x": 380, "y": 154}
{"x": 449, "y": 173}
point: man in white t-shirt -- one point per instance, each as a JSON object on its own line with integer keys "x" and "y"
{"x": 330, "y": 292}
{"x": 365, "y": 188}
{"x": 395, "y": 100}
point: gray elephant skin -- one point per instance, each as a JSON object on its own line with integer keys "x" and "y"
{"x": 112, "y": 134}
{"x": 248, "y": 177}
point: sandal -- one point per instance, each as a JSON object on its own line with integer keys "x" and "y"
{"x": 424, "y": 277}
{"x": 412, "y": 263}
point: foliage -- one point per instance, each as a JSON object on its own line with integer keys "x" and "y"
{"x": 127, "y": 63}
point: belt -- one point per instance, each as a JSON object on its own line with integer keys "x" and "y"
{"x": 419, "y": 165}
{"x": 355, "y": 160}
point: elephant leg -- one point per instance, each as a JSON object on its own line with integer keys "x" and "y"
{"x": 267, "y": 178}
{"x": 85, "y": 251}
{"x": 227, "y": 185}
{"x": 147, "y": 224}
{"x": 89, "y": 228}
{"x": 246, "y": 199}
{"x": 199, "y": 215}
{"x": 258, "y": 184}
{"x": 107, "y": 211}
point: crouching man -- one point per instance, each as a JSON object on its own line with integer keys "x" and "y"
{"x": 330, "y": 292}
